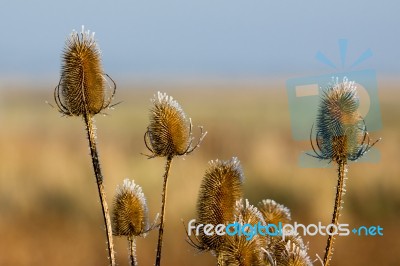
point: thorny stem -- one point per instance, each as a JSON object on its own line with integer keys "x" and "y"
{"x": 132, "y": 250}
{"x": 164, "y": 197}
{"x": 100, "y": 186}
{"x": 220, "y": 261}
{"x": 342, "y": 168}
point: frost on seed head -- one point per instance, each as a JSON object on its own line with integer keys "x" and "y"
{"x": 220, "y": 189}
{"x": 274, "y": 212}
{"x": 130, "y": 213}
{"x": 84, "y": 89}
{"x": 170, "y": 132}
{"x": 341, "y": 133}
{"x": 241, "y": 249}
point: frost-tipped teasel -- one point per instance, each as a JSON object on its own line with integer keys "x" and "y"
{"x": 130, "y": 215}
{"x": 341, "y": 133}
{"x": 170, "y": 131}
{"x": 168, "y": 135}
{"x": 242, "y": 249}
{"x": 82, "y": 89}
{"x": 130, "y": 212}
{"x": 81, "y": 92}
{"x": 220, "y": 189}
{"x": 273, "y": 212}
{"x": 341, "y": 136}
{"x": 290, "y": 251}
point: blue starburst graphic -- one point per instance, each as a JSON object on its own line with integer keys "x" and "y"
{"x": 343, "y": 44}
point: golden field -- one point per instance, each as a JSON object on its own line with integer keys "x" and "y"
{"x": 49, "y": 207}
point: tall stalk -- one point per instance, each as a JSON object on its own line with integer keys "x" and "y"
{"x": 81, "y": 91}
{"x": 341, "y": 136}
{"x": 342, "y": 168}
{"x": 132, "y": 251}
{"x": 99, "y": 181}
{"x": 163, "y": 203}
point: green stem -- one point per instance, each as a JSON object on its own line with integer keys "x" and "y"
{"x": 342, "y": 168}
{"x": 99, "y": 180}
{"x": 164, "y": 197}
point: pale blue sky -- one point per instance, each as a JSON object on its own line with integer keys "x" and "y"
{"x": 207, "y": 38}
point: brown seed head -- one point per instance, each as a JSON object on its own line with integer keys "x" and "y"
{"x": 170, "y": 132}
{"x": 82, "y": 84}
{"x": 341, "y": 133}
{"x": 221, "y": 187}
{"x": 130, "y": 213}
{"x": 290, "y": 252}
{"x": 244, "y": 249}
{"x": 274, "y": 212}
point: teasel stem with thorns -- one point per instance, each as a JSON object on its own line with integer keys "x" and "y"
{"x": 81, "y": 92}
{"x": 341, "y": 135}
{"x": 168, "y": 135}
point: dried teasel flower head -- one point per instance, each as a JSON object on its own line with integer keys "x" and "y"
{"x": 82, "y": 87}
{"x": 170, "y": 132}
{"x": 246, "y": 248}
{"x": 291, "y": 251}
{"x": 130, "y": 213}
{"x": 221, "y": 187}
{"x": 341, "y": 133}
{"x": 274, "y": 212}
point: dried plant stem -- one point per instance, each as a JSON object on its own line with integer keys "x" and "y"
{"x": 342, "y": 168}
{"x": 100, "y": 186}
{"x": 164, "y": 197}
{"x": 132, "y": 250}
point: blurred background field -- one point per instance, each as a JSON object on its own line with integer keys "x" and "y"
{"x": 49, "y": 210}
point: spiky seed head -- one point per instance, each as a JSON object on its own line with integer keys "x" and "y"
{"x": 289, "y": 252}
{"x": 239, "y": 249}
{"x": 221, "y": 187}
{"x": 245, "y": 213}
{"x": 169, "y": 132}
{"x": 274, "y": 212}
{"x": 130, "y": 213}
{"x": 340, "y": 129}
{"x": 82, "y": 84}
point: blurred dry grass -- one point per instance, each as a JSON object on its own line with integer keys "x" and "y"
{"x": 49, "y": 211}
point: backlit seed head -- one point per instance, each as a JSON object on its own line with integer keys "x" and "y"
{"x": 130, "y": 213}
{"x": 341, "y": 133}
{"x": 274, "y": 212}
{"x": 289, "y": 252}
{"x": 221, "y": 187}
{"x": 81, "y": 89}
{"x": 170, "y": 132}
{"x": 240, "y": 249}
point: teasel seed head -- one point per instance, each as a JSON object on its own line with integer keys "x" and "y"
{"x": 273, "y": 212}
{"x": 221, "y": 187}
{"x": 170, "y": 131}
{"x": 238, "y": 249}
{"x": 130, "y": 213}
{"x": 82, "y": 87}
{"x": 341, "y": 133}
{"x": 290, "y": 252}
